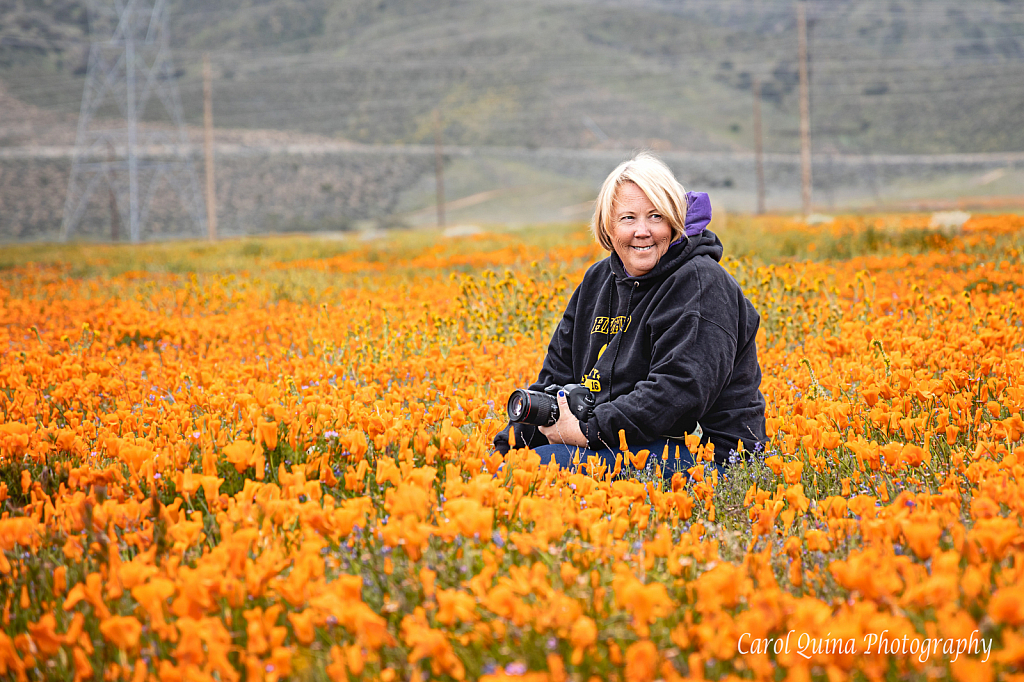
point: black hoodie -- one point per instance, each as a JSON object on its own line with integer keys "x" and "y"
{"x": 662, "y": 352}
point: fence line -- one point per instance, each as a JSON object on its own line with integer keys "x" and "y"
{"x": 341, "y": 148}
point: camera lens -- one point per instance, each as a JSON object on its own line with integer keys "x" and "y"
{"x": 532, "y": 407}
{"x": 518, "y": 404}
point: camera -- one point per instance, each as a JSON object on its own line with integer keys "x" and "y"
{"x": 540, "y": 408}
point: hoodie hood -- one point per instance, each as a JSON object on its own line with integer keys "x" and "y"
{"x": 698, "y": 213}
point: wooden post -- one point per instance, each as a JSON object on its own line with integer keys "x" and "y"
{"x": 439, "y": 168}
{"x": 758, "y": 146}
{"x": 805, "y": 106}
{"x": 211, "y": 193}
{"x": 115, "y": 217}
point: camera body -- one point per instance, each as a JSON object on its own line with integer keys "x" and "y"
{"x": 540, "y": 408}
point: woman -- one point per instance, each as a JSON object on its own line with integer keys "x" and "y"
{"x": 658, "y": 331}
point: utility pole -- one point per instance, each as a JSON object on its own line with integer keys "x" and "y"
{"x": 211, "y": 194}
{"x": 805, "y": 107}
{"x": 115, "y": 218}
{"x": 439, "y": 168}
{"x": 758, "y": 146}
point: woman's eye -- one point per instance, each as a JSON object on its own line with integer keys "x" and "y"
{"x": 656, "y": 217}
{"x": 626, "y": 219}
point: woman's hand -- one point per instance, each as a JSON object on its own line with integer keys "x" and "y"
{"x": 567, "y": 429}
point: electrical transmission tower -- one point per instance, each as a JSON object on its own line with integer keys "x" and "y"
{"x": 129, "y": 64}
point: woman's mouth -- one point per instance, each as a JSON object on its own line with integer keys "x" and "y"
{"x": 643, "y": 248}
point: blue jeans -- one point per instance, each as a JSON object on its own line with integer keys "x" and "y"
{"x": 563, "y": 455}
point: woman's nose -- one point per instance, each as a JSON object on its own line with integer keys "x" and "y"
{"x": 642, "y": 228}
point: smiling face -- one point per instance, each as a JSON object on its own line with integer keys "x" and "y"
{"x": 639, "y": 233}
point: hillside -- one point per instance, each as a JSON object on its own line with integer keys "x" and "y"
{"x": 908, "y": 75}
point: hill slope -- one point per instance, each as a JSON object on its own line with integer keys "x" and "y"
{"x": 906, "y": 75}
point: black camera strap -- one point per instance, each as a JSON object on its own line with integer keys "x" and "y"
{"x": 621, "y": 333}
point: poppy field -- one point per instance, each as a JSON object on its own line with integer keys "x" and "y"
{"x": 267, "y": 464}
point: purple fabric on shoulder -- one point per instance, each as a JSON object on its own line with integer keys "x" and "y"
{"x": 698, "y": 213}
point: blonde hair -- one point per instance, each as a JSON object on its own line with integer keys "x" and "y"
{"x": 654, "y": 179}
